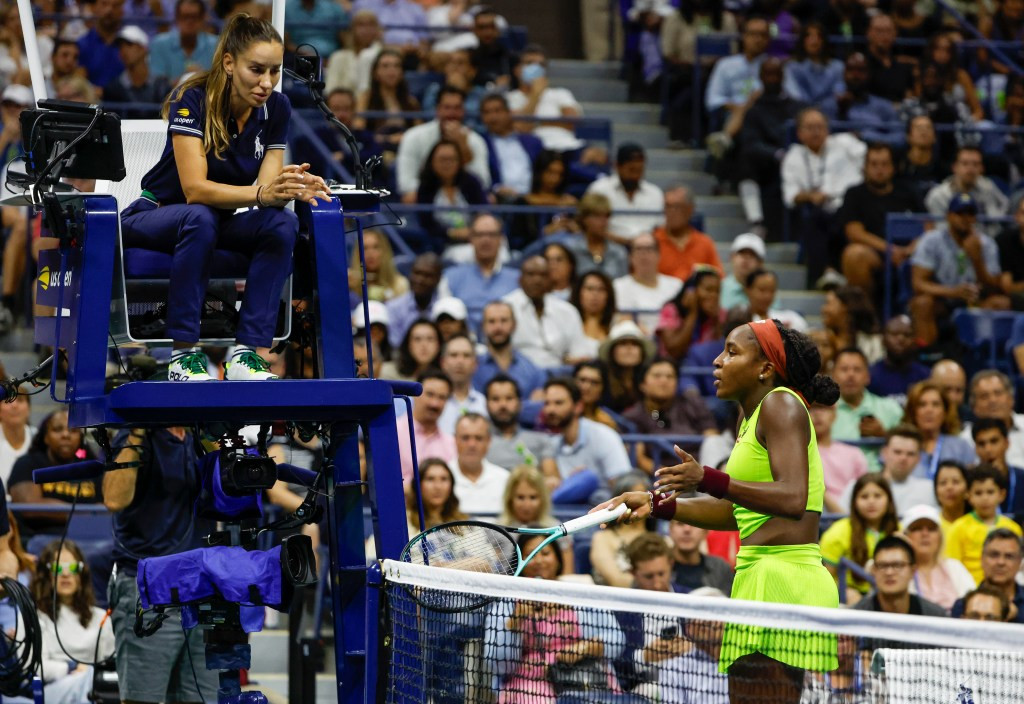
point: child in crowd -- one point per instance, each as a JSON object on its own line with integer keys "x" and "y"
{"x": 872, "y": 517}
{"x": 991, "y": 442}
{"x": 950, "y": 484}
{"x": 986, "y": 490}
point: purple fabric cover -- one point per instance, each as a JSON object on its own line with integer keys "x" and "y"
{"x": 219, "y": 572}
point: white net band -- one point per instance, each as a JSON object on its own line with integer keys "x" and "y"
{"x": 928, "y": 631}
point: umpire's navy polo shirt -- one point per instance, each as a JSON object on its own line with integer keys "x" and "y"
{"x": 239, "y": 165}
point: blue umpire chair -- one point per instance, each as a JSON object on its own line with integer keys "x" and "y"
{"x": 90, "y": 281}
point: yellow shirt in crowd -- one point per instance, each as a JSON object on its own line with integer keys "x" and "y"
{"x": 966, "y": 537}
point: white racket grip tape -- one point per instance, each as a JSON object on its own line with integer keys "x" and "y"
{"x": 605, "y": 515}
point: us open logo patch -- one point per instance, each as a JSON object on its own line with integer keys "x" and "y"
{"x": 183, "y": 112}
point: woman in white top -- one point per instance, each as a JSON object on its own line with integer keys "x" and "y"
{"x": 351, "y": 67}
{"x": 938, "y": 579}
{"x": 86, "y": 634}
{"x": 15, "y": 434}
{"x": 527, "y": 502}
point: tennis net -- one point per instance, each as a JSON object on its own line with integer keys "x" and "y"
{"x": 537, "y": 641}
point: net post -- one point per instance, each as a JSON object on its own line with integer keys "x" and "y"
{"x": 376, "y": 648}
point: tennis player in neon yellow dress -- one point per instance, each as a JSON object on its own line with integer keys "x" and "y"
{"x": 772, "y": 492}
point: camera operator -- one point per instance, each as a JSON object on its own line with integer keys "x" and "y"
{"x": 152, "y": 505}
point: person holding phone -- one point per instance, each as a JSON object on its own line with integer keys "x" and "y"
{"x": 221, "y": 183}
{"x": 667, "y": 659}
{"x": 860, "y": 413}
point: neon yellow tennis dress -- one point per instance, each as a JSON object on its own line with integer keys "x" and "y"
{"x": 786, "y": 574}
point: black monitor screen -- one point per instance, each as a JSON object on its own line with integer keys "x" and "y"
{"x": 99, "y": 155}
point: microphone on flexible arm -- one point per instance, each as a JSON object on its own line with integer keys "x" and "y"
{"x": 307, "y": 72}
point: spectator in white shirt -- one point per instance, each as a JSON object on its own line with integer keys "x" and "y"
{"x": 479, "y": 484}
{"x": 458, "y": 361}
{"x": 549, "y": 331}
{"x": 86, "y": 634}
{"x": 536, "y": 97}
{"x": 350, "y": 67}
{"x": 15, "y": 434}
{"x": 419, "y": 141}
{"x": 816, "y": 173}
{"x": 645, "y": 288}
{"x": 900, "y": 455}
{"x": 627, "y": 191}
{"x": 968, "y": 177}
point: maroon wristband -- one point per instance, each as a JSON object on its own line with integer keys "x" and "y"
{"x": 714, "y": 483}
{"x": 662, "y": 507}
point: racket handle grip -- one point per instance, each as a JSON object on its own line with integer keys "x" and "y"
{"x": 605, "y": 515}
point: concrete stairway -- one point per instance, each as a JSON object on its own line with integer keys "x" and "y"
{"x": 602, "y": 94}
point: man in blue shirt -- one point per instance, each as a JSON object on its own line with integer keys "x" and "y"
{"x": 899, "y": 369}
{"x": 418, "y": 300}
{"x": 98, "y": 48}
{"x": 152, "y": 505}
{"x": 874, "y": 116}
{"x": 136, "y": 84}
{"x": 953, "y": 265}
{"x": 484, "y": 279}
{"x": 499, "y": 324}
{"x": 734, "y": 79}
{"x": 512, "y": 154}
{"x": 186, "y": 48}
{"x": 315, "y": 22}
{"x": 404, "y": 16}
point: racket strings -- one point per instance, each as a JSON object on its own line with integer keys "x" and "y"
{"x": 467, "y": 547}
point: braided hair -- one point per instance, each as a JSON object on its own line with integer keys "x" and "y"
{"x": 803, "y": 364}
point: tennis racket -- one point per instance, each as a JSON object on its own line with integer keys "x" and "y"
{"x": 477, "y": 546}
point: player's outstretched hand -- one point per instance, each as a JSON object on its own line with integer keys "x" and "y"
{"x": 638, "y": 502}
{"x": 681, "y": 478}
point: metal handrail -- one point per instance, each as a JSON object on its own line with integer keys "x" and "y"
{"x": 57, "y": 508}
{"x": 503, "y": 209}
{"x": 847, "y": 566}
{"x": 986, "y": 43}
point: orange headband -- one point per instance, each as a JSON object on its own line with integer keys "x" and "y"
{"x": 770, "y": 339}
{"x": 774, "y": 348}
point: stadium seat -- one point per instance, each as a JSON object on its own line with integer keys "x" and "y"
{"x": 93, "y": 532}
{"x": 984, "y": 334}
{"x": 900, "y": 229}
{"x": 419, "y": 81}
{"x": 529, "y": 414}
{"x": 140, "y": 291}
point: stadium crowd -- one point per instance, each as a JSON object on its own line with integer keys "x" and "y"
{"x": 564, "y": 345}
